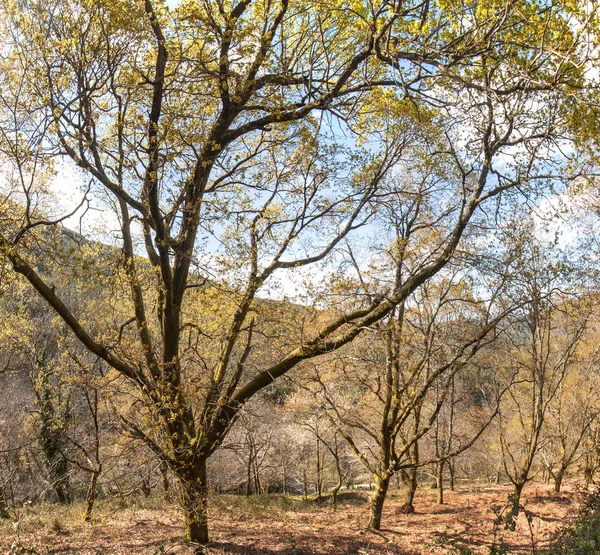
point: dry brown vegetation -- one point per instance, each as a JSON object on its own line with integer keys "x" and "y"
{"x": 268, "y": 525}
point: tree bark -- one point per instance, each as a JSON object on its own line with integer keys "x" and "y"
{"x": 61, "y": 492}
{"x": 319, "y": 475}
{"x": 589, "y": 475}
{"x": 194, "y": 500}
{"x": 164, "y": 474}
{"x": 305, "y": 484}
{"x": 91, "y": 496}
{"x": 257, "y": 485}
{"x": 334, "y": 493}
{"x": 439, "y": 481}
{"x": 284, "y": 481}
{"x": 558, "y": 478}
{"x": 249, "y": 476}
{"x": 338, "y": 486}
{"x": 409, "y": 493}
{"x": 517, "y": 495}
{"x": 377, "y": 501}
{"x": 4, "y": 514}
{"x": 546, "y": 474}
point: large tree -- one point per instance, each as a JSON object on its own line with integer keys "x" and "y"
{"x": 237, "y": 141}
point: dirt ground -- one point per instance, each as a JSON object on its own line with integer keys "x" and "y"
{"x": 272, "y": 525}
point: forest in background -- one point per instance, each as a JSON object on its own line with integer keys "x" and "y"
{"x": 321, "y": 248}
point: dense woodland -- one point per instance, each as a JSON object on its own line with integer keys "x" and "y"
{"x": 297, "y": 248}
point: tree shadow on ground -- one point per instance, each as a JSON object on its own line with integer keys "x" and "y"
{"x": 313, "y": 545}
{"x": 345, "y": 498}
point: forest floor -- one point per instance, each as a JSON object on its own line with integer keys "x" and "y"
{"x": 269, "y": 525}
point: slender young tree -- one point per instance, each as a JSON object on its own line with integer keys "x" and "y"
{"x": 570, "y": 420}
{"x": 543, "y": 350}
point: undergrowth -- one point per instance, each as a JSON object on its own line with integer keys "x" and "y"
{"x": 582, "y": 536}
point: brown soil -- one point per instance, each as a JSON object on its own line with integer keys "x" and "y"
{"x": 274, "y": 525}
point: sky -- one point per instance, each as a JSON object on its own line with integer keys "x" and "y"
{"x": 100, "y": 222}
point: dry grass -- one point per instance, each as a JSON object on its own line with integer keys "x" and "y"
{"x": 276, "y": 525}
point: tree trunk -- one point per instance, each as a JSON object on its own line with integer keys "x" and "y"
{"x": 249, "y": 475}
{"x": 334, "y": 493}
{"x": 439, "y": 482}
{"x": 61, "y": 494}
{"x": 409, "y": 493}
{"x": 146, "y": 485}
{"x": 91, "y": 496}
{"x": 284, "y": 481}
{"x": 515, "y": 506}
{"x": 546, "y": 473}
{"x": 558, "y": 478}
{"x": 517, "y": 497}
{"x": 194, "y": 500}
{"x": 335, "y": 490}
{"x": 412, "y": 481}
{"x": 164, "y": 474}
{"x": 319, "y": 470}
{"x": 305, "y": 484}
{"x": 589, "y": 475}
{"x": 452, "y": 471}
{"x": 257, "y": 486}
{"x": 377, "y": 501}
{"x": 4, "y": 514}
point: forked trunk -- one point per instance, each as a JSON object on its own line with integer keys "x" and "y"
{"x": 194, "y": 501}
{"x": 516, "y": 499}
{"x": 377, "y": 501}
{"x": 519, "y": 491}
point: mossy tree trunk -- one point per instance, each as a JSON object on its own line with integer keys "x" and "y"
{"x": 166, "y": 484}
{"x": 412, "y": 480}
{"x": 377, "y": 501}
{"x": 51, "y": 422}
{"x": 194, "y": 501}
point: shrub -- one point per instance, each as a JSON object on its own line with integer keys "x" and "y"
{"x": 582, "y": 537}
